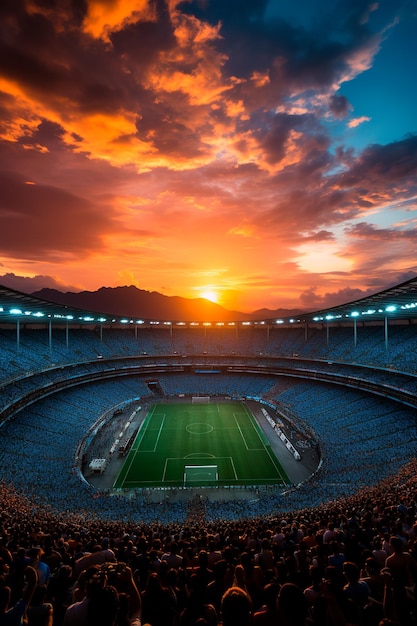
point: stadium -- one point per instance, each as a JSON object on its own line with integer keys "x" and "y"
{"x": 323, "y": 406}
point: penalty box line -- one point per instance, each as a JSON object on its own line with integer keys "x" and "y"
{"x": 136, "y": 450}
{"x": 213, "y": 459}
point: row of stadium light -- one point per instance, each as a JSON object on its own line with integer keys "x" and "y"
{"x": 388, "y": 309}
{"x": 39, "y": 314}
{"x": 86, "y": 318}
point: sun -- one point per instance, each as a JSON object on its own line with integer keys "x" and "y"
{"x": 210, "y": 295}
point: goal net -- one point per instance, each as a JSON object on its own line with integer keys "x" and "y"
{"x": 200, "y": 473}
{"x": 200, "y": 399}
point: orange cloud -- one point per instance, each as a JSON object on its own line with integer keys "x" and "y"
{"x": 358, "y": 120}
{"x": 104, "y": 17}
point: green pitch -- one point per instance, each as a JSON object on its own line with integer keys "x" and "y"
{"x": 200, "y": 445}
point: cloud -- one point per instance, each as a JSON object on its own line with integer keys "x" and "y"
{"x": 30, "y": 284}
{"x": 339, "y": 106}
{"x": 44, "y": 221}
{"x": 162, "y": 139}
{"x": 356, "y": 121}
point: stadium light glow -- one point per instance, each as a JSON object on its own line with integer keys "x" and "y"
{"x": 15, "y": 312}
{"x": 355, "y": 314}
{"x": 140, "y": 322}
{"x": 124, "y": 321}
{"x": 38, "y": 314}
{"x": 390, "y": 308}
{"x": 279, "y": 321}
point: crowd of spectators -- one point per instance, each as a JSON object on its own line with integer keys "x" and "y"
{"x": 349, "y": 562}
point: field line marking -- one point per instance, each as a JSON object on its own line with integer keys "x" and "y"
{"x": 240, "y": 430}
{"x": 255, "y": 425}
{"x": 142, "y": 429}
{"x": 165, "y": 469}
{"x": 233, "y": 467}
{"x": 273, "y": 459}
{"x": 243, "y": 438}
{"x": 159, "y": 433}
{"x": 135, "y": 452}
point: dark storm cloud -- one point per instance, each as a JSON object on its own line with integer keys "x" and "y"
{"x": 274, "y": 133}
{"x": 310, "y": 57}
{"x": 165, "y": 126}
{"x": 380, "y": 166}
{"x": 339, "y": 106}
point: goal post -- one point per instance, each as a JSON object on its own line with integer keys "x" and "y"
{"x": 200, "y": 473}
{"x": 200, "y": 399}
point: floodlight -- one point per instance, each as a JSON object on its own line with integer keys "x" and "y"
{"x": 390, "y": 308}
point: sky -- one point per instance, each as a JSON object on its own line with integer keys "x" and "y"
{"x": 259, "y": 153}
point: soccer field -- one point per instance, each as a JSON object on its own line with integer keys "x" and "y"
{"x": 196, "y": 445}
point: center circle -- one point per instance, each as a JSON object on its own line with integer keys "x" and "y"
{"x": 199, "y": 428}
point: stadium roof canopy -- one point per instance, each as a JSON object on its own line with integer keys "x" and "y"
{"x": 398, "y": 302}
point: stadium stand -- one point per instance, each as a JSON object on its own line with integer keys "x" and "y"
{"x": 352, "y": 387}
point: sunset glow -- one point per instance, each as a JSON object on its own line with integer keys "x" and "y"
{"x": 257, "y": 155}
{"x": 210, "y": 295}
